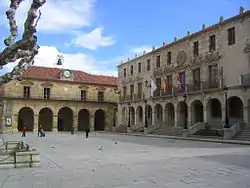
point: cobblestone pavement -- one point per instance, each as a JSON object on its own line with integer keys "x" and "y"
{"x": 108, "y": 160}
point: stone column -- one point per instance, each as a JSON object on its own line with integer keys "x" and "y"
{"x": 223, "y": 114}
{"x": 163, "y": 118}
{"x": 75, "y": 122}
{"x": 176, "y": 118}
{"x": 205, "y": 114}
{"x": 246, "y": 114}
{"x": 91, "y": 122}
{"x": 36, "y": 117}
{"x": 55, "y": 121}
{"x": 189, "y": 121}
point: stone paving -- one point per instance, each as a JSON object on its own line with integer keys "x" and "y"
{"x": 122, "y": 161}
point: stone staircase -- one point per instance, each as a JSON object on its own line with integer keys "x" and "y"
{"x": 169, "y": 131}
{"x": 16, "y": 154}
{"x": 243, "y": 134}
{"x": 209, "y": 134}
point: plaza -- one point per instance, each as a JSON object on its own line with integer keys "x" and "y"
{"x": 122, "y": 161}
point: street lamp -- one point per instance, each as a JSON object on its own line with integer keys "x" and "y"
{"x": 146, "y": 121}
{"x": 129, "y": 114}
{"x": 226, "y": 109}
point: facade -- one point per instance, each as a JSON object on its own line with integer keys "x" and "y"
{"x": 195, "y": 78}
{"x": 59, "y": 99}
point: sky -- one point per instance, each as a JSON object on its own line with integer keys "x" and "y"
{"x": 94, "y": 36}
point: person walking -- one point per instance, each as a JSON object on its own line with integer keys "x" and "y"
{"x": 24, "y": 131}
{"x": 39, "y": 130}
{"x": 87, "y": 130}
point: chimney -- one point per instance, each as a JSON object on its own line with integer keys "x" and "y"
{"x": 175, "y": 39}
{"x": 135, "y": 55}
{"x": 163, "y": 44}
{"x": 153, "y": 48}
{"x": 242, "y": 10}
{"x": 144, "y": 52}
{"x": 203, "y": 26}
{"x": 221, "y": 19}
{"x": 128, "y": 59}
{"x": 188, "y": 33}
{"x": 121, "y": 62}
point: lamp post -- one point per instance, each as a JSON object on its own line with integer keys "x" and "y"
{"x": 146, "y": 120}
{"x": 129, "y": 114}
{"x": 226, "y": 109}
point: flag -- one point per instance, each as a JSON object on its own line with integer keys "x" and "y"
{"x": 153, "y": 87}
{"x": 178, "y": 81}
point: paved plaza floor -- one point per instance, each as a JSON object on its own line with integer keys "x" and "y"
{"x": 108, "y": 160}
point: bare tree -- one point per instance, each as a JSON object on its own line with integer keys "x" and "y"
{"x": 24, "y": 50}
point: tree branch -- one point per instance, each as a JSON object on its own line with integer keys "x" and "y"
{"x": 24, "y": 50}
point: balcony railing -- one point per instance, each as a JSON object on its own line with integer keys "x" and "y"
{"x": 211, "y": 84}
{"x": 193, "y": 87}
{"x": 31, "y": 96}
{"x": 179, "y": 90}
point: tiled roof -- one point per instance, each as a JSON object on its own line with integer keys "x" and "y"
{"x": 79, "y": 76}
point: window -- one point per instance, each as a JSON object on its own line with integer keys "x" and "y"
{"x": 100, "y": 96}
{"x": 131, "y": 70}
{"x": 124, "y": 91}
{"x": 196, "y": 49}
{"x": 132, "y": 91}
{"x": 139, "y": 86}
{"x": 158, "y": 61}
{"x": 212, "y": 43}
{"x": 158, "y": 83}
{"x": 139, "y": 67}
{"x": 170, "y": 82}
{"x": 83, "y": 95}
{"x": 148, "y": 65}
{"x": 26, "y": 91}
{"x": 124, "y": 73}
{"x": 213, "y": 75}
{"x": 46, "y": 93}
{"x": 196, "y": 76}
{"x": 231, "y": 36}
{"x": 182, "y": 76}
{"x": 169, "y": 58}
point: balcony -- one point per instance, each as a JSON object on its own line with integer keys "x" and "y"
{"x": 196, "y": 86}
{"x": 70, "y": 98}
{"x": 179, "y": 90}
{"x": 214, "y": 84}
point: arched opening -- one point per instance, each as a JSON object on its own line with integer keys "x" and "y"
{"x": 214, "y": 114}
{"x": 139, "y": 115}
{"x": 182, "y": 114}
{"x": 132, "y": 115}
{"x": 197, "y": 112}
{"x": 124, "y": 115}
{"x": 65, "y": 119}
{"x": 26, "y": 118}
{"x": 149, "y": 115}
{"x": 99, "y": 120}
{"x": 158, "y": 114}
{"x": 169, "y": 115}
{"x": 46, "y": 119}
{"x": 235, "y": 110}
{"x": 83, "y": 119}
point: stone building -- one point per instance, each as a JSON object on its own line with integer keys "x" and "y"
{"x": 194, "y": 77}
{"x": 58, "y": 99}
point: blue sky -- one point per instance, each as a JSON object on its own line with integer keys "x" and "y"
{"x": 95, "y": 35}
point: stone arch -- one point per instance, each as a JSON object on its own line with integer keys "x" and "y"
{"x": 26, "y": 118}
{"x": 83, "y": 119}
{"x": 214, "y": 113}
{"x": 124, "y": 115}
{"x": 235, "y": 110}
{"x": 45, "y": 119}
{"x": 139, "y": 115}
{"x": 65, "y": 119}
{"x": 149, "y": 112}
{"x": 158, "y": 114}
{"x": 132, "y": 115}
{"x": 169, "y": 115}
{"x": 182, "y": 114}
{"x": 196, "y": 112}
{"x": 99, "y": 120}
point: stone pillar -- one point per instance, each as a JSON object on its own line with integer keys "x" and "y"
{"x": 163, "y": 117}
{"x": 205, "y": 114}
{"x": 55, "y": 121}
{"x": 91, "y": 122}
{"x": 223, "y": 114}
{"x": 189, "y": 120}
{"x": 153, "y": 116}
{"x": 176, "y": 118}
{"x": 36, "y": 117}
{"x": 246, "y": 114}
{"x": 75, "y": 123}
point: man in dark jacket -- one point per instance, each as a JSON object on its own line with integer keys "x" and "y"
{"x": 87, "y": 130}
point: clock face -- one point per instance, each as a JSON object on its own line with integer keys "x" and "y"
{"x": 66, "y": 73}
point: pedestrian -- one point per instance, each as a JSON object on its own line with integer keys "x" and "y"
{"x": 72, "y": 130}
{"x": 39, "y": 130}
{"x": 24, "y": 131}
{"x": 42, "y": 133}
{"x": 87, "y": 130}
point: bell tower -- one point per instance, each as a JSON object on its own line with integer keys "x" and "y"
{"x": 59, "y": 61}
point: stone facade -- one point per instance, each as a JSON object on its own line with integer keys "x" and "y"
{"x": 202, "y": 71}
{"x": 64, "y": 108}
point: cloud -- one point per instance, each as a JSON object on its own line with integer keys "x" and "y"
{"x": 140, "y": 49}
{"x": 92, "y": 40}
{"x": 47, "y": 57}
{"x": 57, "y": 15}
